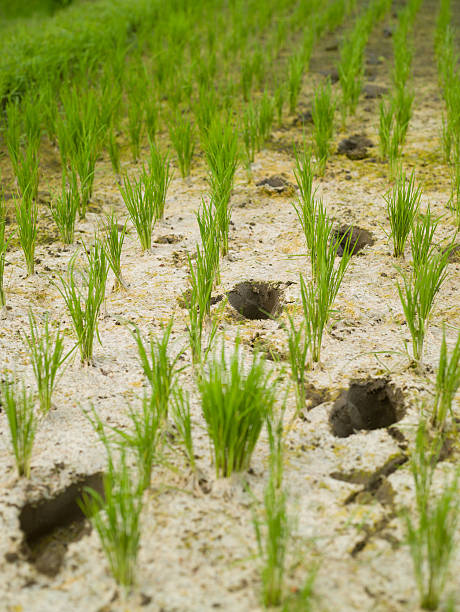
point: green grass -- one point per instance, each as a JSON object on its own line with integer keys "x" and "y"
{"x": 18, "y": 405}
{"x": 27, "y": 220}
{"x": 235, "y": 402}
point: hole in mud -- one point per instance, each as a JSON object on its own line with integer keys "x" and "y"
{"x": 50, "y": 525}
{"x": 256, "y": 299}
{"x": 368, "y": 405}
{"x": 352, "y": 239}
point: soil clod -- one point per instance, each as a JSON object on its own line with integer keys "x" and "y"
{"x": 50, "y": 525}
{"x": 371, "y": 404}
{"x": 355, "y": 147}
{"x": 275, "y": 185}
{"x": 256, "y": 299}
{"x": 352, "y": 239}
{"x": 372, "y": 91}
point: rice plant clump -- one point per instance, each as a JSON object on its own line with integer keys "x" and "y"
{"x": 84, "y": 303}
{"x": 46, "y": 353}
{"x": 432, "y": 529}
{"x": 235, "y": 405}
{"x": 447, "y": 382}
{"x": 138, "y": 196}
{"x": 402, "y": 206}
{"x": 3, "y": 248}
{"x": 18, "y": 405}
{"x": 115, "y": 516}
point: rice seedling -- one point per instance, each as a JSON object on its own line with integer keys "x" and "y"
{"x": 235, "y": 405}
{"x": 417, "y": 293}
{"x": 151, "y": 113}
{"x": 250, "y": 138}
{"x": 80, "y": 136}
{"x": 112, "y": 241}
{"x": 3, "y": 248}
{"x": 247, "y": 74}
{"x": 403, "y": 109}
{"x": 323, "y": 119}
{"x": 454, "y": 200}
{"x": 351, "y": 69}
{"x": 84, "y": 306}
{"x": 402, "y": 56}
{"x": 385, "y": 127}
{"x": 27, "y": 220}
{"x": 273, "y": 534}
{"x": 209, "y": 232}
{"x": 114, "y": 151}
{"x": 160, "y": 371}
{"x": 18, "y": 405}
{"x": 115, "y": 516}
{"x": 447, "y": 382}
{"x": 265, "y": 116}
{"x": 202, "y": 277}
{"x": 144, "y": 437}
{"x": 183, "y": 422}
{"x": 221, "y": 148}
{"x": 295, "y": 74}
{"x": 299, "y": 347}
{"x": 160, "y": 178}
{"x": 138, "y": 196}
{"x": 279, "y": 100}
{"x": 421, "y": 241}
{"x": 182, "y": 136}
{"x": 431, "y": 531}
{"x": 64, "y": 207}
{"x": 403, "y": 202}
{"x": 135, "y": 115}
{"x": 46, "y": 354}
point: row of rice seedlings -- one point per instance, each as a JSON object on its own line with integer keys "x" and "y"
{"x": 351, "y": 64}
{"x": 22, "y": 136}
{"x": 396, "y": 110}
{"x": 449, "y": 79}
{"x": 317, "y": 296}
{"x": 432, "y": 529}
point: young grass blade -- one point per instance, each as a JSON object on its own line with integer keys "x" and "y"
{"x": 18, "y": 404}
